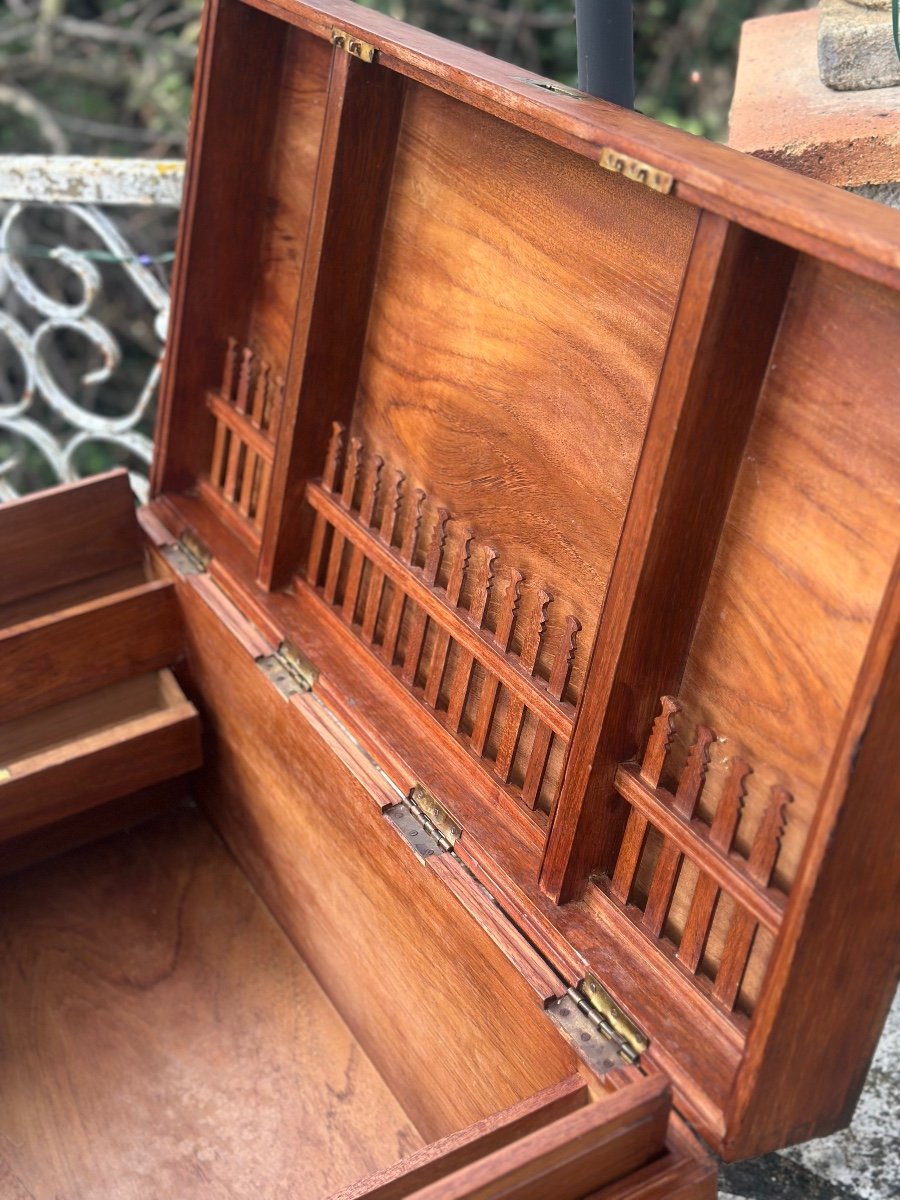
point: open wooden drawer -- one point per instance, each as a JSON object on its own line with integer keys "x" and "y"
{"x": 89, "y": 714}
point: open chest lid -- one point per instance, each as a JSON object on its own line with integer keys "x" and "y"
{"x": 563, "y": 444}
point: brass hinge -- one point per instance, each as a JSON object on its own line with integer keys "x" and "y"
{"x": 641, "y": 172}
{"x": 289, "y": 670}
{"x": 353, "y": 45}
{"x": 609, "y": 1018}
{"x": 425, "y": 823}
{"x": 188, "y": 556}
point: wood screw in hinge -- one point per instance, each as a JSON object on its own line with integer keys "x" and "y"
{"x": 342, "y": 40}
{"x": 640, "y": 172}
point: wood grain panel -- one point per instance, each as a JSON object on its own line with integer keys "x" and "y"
{"x": 508, "y": 373}
{"x": 161, "y": 1038}
{"x": 86, "y": 752}
{"x": 807, "y": 548}
{"x": 67, "y": 534}
{"x": 293, "y": 154}
{"x": 55, "y": 658}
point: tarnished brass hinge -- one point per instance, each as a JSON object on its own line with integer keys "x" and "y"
{"x": 641, "y": 172}
{"x": 188, "y": 556}
{"x": 289, "y": 670}
{"x": 614, "y": 1023}
{"x": 353, "y": 45}
{"x": 425, "y": 823}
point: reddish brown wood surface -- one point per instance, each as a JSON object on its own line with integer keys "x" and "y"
{"x": 598, "y": 1145}
{"x": 439, "y": 1159}
{"x": 490, "y": 313}
{"x": 161, "y": 1037}
{"x": 61, "y": 656}
{"x": 88, "y": 751}
{"x": 352, "y": 179}
{"x": 706, "y": 397}
{"x": 67, "y": 534}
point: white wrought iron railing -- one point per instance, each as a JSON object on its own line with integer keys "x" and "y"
{"x": 84, "y": 306}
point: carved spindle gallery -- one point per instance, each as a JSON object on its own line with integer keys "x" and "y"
{"x": 468, "y": 676}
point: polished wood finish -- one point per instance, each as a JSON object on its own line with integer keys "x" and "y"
{"x": 65, "y": 759}
{"x": 553, "y": 445}
{"x": 61, "y": 656}
{"x": 161, "y": 1036}
{"x": 598, "y": 1145}
{"x": 493, "y": 712}
{"x": 354, "y": 894}
{"x": 87, "y": 715}
{"x": 67, "y": 535}
{"x": 353, "y": 174}
{"x": 368, "y": 916}
{"x": 706, "y": 398}
{"x": 433, "y": 1162}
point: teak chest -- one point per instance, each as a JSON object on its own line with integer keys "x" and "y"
{"x": 523, "y": 543}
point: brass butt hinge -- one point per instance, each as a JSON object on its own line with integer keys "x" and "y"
{"x": 640, "y": 172}
{"x": 425, "y": 823}
{"x": 597, "y": 1027}
{"x": 188, "y": 556}
{"x": 289, "y": 670}
{"x": 342, "y": 40}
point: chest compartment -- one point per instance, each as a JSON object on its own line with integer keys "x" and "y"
{"x": 523, "y": 525}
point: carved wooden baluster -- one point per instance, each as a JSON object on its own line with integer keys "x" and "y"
{"x": 742, "y": 930}
{"x": 236, "y": 448}
{"x": 442, "y": 637}
{"x": 488, "y": 698}
{"x": 721, "y": 834}
{"x": 251, "y": 460}
{"x": 357, "y": 558}
{"x": 376, "y": 579}
{"x": 332, "y": 459}
{"x": 651, "y": 769}
{"x": 543, "y": 735}
{"x": 220, "y": 442}
{"x": 336, "y": 554}
{"x": 419, "y": 618}
{"x": 260, "y": 395}
{"x": 228, "y": 372}
{"x": 274, "y": 401}
{"x": 481, "y": 590}
{"x": 398, "y": 597}
{"x": 668, "y": 864}
{"x": 512, "y": 721}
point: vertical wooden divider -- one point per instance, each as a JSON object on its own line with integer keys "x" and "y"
{"x": 356, "y": 159}
{"x": 732, "y": 297}
{"x": 224, "y": 193}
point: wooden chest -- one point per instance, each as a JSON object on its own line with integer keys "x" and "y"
{"x": 523, "y": 540}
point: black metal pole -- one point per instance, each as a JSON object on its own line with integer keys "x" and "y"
{"x": 605, "y": 31}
